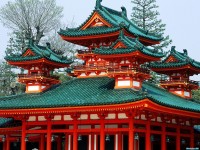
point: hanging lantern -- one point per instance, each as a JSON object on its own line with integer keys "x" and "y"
{"x": 183, "y": 141}
{"x": 4, "y": 138}
{"x": 26, "y": 139}
{"x": 107, "y": 137}
{"x": 52, "y": 138}
{"x": 167, "y": 139}
{"x": 136, "y": 136}
{"x": 79, "y": 138}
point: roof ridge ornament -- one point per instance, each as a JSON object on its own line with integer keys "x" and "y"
{"x": 124, "y": 11}
{"x": 185, "y": 52}
{"x": 98, "y": 4}
{"x": 121, "y": 34}
{"x": 173, "y": 48}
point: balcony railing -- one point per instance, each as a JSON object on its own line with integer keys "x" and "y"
{"x": 81, "y": 68}
{"x": 31, "y": 76}
{"x": 129, "y": 70}
{"x": 85, "y": 51}
{"x": 179, "y": 81}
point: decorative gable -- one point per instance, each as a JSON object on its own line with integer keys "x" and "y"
{"x": 119, "y": 45}
{"x": 28, "y": 53}
{"x": 171, "y": 59}
{"x": 96, "y": 21}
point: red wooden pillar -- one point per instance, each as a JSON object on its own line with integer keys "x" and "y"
{"x": 148, "y": 136}
{"x": 59, "y": 143}
{"x": 163, "y": 137}
{"x": 23, "y": 142}
{"x": 48, "y": 134}
{"x": 42, "y": 141}
{"x": 120, "y": 141}
{"x": 192, "y": 138}
{"x": 4, "y": 145}
{"x": 131, "y": 133}
{"x": 66, "y": 141}
{"x": 75, "y": 134}
{"x": 178, "y": 139}
{"x": 102, "y": 133}
{"x": 7, "y": 142}
{"x": 92, "y": 141}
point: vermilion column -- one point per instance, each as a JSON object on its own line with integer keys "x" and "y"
{"x": 75, "y": 135}
{"x": 120, "y": 141}
{"x": 148, "y": 135}
{"x": 59, "y": 143}
{"x": 102, "y": 134}
{"x": 7, "y": 142}
{"x": 42, "y": 141}
{"x": 48, "y": 134}
{"x": 163, "y": 138}
{"x": 66, "y": 141}
{"x": 131, "y": 137}
{"x": 192, "y": 138}
{"x": 4, "y": 145}
{"x": 23, "y": 143}
{"x": 178, "y": 139}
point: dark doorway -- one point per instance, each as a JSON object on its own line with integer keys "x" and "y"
{"x": 31, "y": 145}
{"x": 110, "y": 142}
{"x": 142, "y": 143}
{"x": 83, "y": 142}
{"x": 125, "y": 142}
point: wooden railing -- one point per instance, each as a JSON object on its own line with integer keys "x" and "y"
{"x": 129, "y": 70}
{"x": 179, "y": 81}
{"x": 22, "y": 76}
{"x": 85, "y": 51}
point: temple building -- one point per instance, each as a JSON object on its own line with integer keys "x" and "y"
{"x": 110, "y": 103}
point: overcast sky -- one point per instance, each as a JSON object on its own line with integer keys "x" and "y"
{"x": 182, "y": 18}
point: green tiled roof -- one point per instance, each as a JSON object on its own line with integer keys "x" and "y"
{"x": 40, "y": 52}
{"x": 116, "y": 19}
{"x": 132, "y": 44}
{"x": 5, "y": 121}
{"x": 93, "y": 92}
{"x": 182, "y": 60}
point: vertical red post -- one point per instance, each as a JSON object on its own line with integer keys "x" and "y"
{"x": 49, "y": 134}
{"x": 163, "y": 137}
{"x": 23, "y": 143}
{"x": 66, "y": 141}
{"x": 7, "y": 142}
{"x": 148, "y": 136}
{"x": 42, "y": 141}
{"x": 4, "y": 145}
{"x": 131, "y": 133}
{"x": 192, "y": 138}
{"x": 120, "y": 141}
{"x": 102, "y": 133}
{"x": 59, "y": 143}
{"x": 75, "y": 134}
{"x": 92, "y": 141}
{"x": 178, "y": 138}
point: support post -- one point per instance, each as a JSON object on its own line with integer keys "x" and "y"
{"x": 48, "y": 134}
{"x": 59, "y": 143}
{"x": 102, "y": 132}
{"x": 163, "y": 136}
{"x": 66, "y": 141}
{"x": 131, "y": 133}
{"x": 75, "y": 134}
{"x": 8, "y": 142}
{"x": 120, "y": 141}
{"x": 23, "y": 142}
{"x": 4, "y": 145}
{"x": 42, "y": 141}
{"x": 192, "y": 138}
{"x": 92, "y": 141}
{"x": 148, "y": 136}
{"x": 178, "y": 138}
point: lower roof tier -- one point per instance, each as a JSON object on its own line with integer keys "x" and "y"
{"x": 95, "y": 92}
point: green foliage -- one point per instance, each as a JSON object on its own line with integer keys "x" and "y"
{"x": 145, "y": 16}
{"x": 63, "y": 77}
{"x": 8, "y": 85}
{"x": 196, "y": 94}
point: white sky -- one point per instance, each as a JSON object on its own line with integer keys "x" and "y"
{"x": 182, "y": 18}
